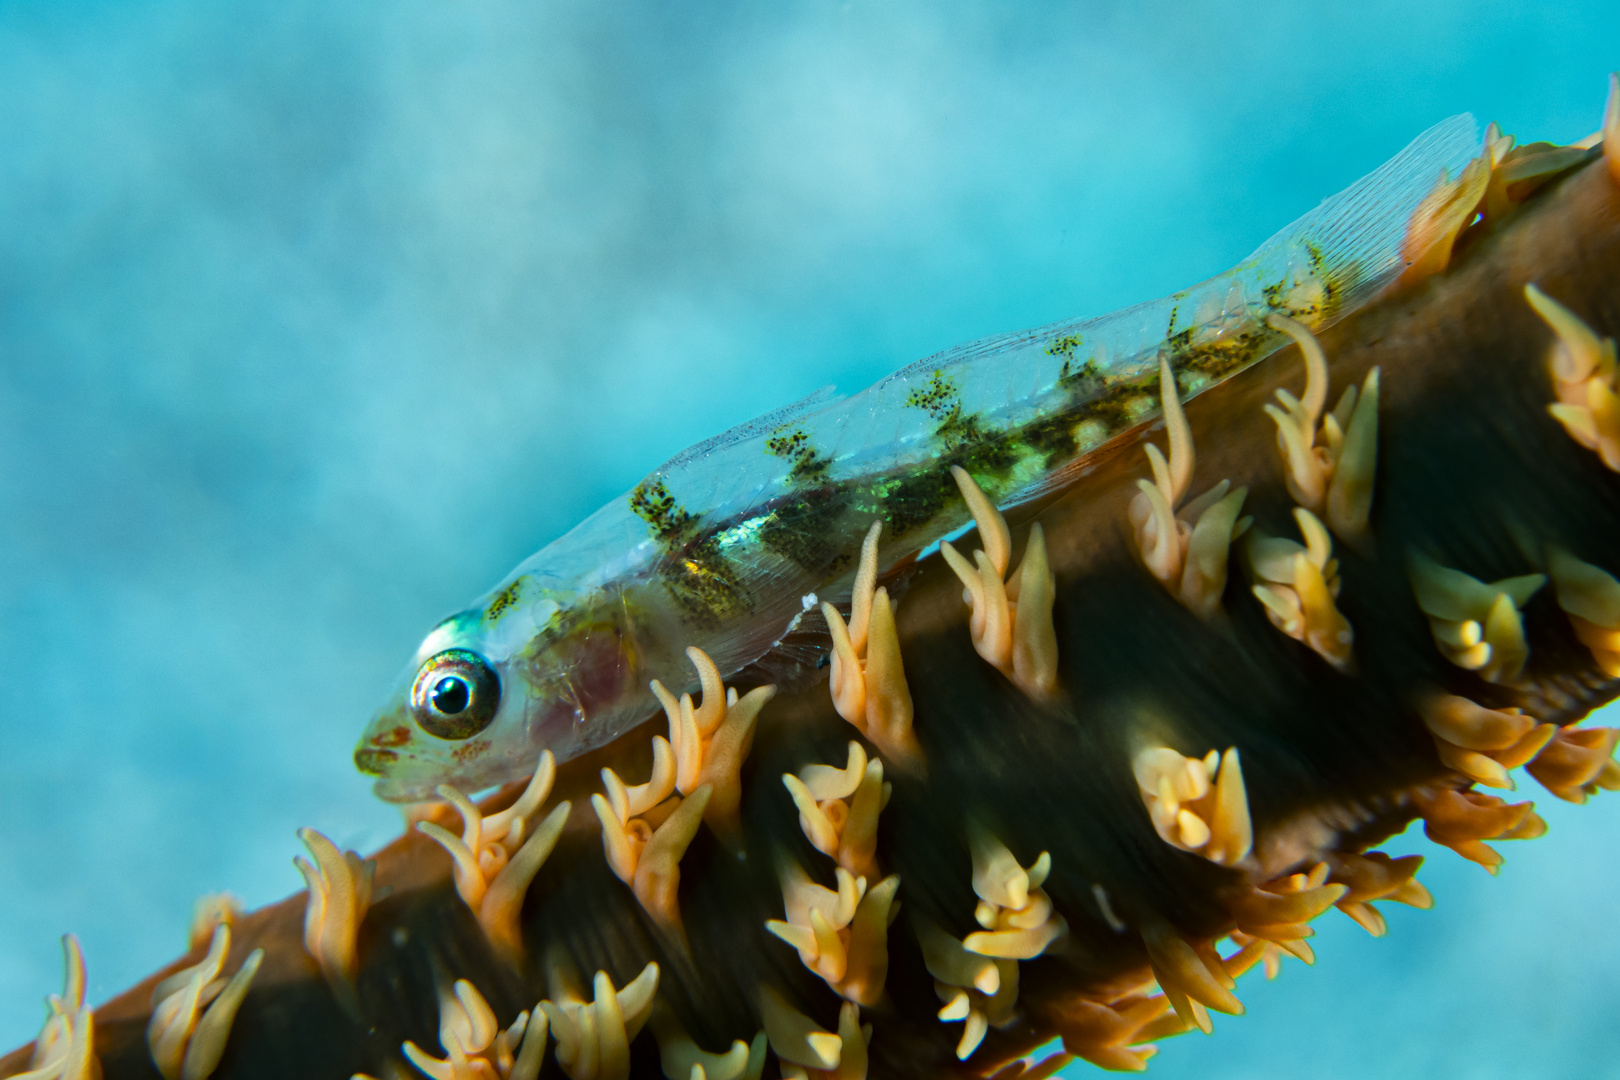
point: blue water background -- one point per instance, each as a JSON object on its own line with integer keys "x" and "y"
{"x": 316, "y": 318}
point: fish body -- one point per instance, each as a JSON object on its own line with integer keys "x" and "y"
{"x": 729, "y": 545}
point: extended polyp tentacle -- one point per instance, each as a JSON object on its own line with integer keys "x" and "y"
{"x": 839, "y": 808}
{"x": 1020, "y": 923}
{"x": 502, "y": 904}
{"x": 707, "y": 746}
{"x": 1010, "y": 622}
{"x": 1209, "y": 547}
{"x": 475, "y": 1047}
{"x": 189, "y": 1046}
{"x": 681, "y": 1058}
{"x": 1578, "y": 762}
{"x": 1298, "y": 585}
{"x": 177, "y": 1002}
{"x": 794, "y": 1037}
{"x": 633, "y": 801}
{"x": 1197, "y": 805}
{"x": 1187, "y": 553}
{"x": 1483, "y": 744}
{"x": 1583, "y": 374}
{"x": 723, "y": 757}
{"x": 852, "y": 1060}
{"x": 658, "y": 870}
{"x": 1476, "y": 626}
{"x": 1193, "y": 980}
{"x": 1278, "y": 911}
{"x": 867, "y": 677}
{"x": 1103, "y": 1033}
{"x": 841, "y": 935}
{"x": 1461, "y": 820}
{"x": 1329, "y": 470}
{"x": 1440, "y": 217}
{"x": 1034, "y": 637}
{"x": 65, "y": 1048}
{"x": 495, "y": 861}
{"x": 1309, "y": 467}
{"x": 1350, "y": 495}
{"x": 1590, "y": 597}
{"x": 977, "y": 991}
{"x": 817, "y": 918}
{"x": 593, "y": 1036}
{"x": 867, "y": 969}
{"x": 339, "y": 894}
{"x": 1374, "y": 875}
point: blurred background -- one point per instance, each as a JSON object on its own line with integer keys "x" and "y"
{"x": 316, "y": 318}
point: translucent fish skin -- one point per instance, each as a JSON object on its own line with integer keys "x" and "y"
{"x": 729, "y": 543}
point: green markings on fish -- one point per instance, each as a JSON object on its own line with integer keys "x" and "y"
{"x": 695, "y": 568}
{"x": 729, "y": 544}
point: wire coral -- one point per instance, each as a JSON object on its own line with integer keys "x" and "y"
{"x": 1065, "y": 871}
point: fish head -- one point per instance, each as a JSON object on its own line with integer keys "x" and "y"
{"x": 530, "y": 668}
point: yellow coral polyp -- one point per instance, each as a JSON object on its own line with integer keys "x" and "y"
{"x": 680, "y": 1057}
{"x": 1483, "y": 744}
{"x": 648, "y": 859}
{"x": 474, "y": 1045}
{"x": 1488, "y": 186}
{"x": 1110, "y": 1034}
{"x": 707, "y": 745}
{"x": 1193, "y": 977}
{"x": 1583, "y": 375}
{"x": 339, "y": 894}
{"x": 841, "y": 935}
{"x": 1374, "y": 875}
{"x": 1015, "y": 912}
{"x": 593, "y": 1034}
{"x": 794, "y": 1037}
{"x": 1279, "y": 911}
{"x": 66, "y": 1046}
{"x": 838, "y": 808}
{"x": 978, "y": 991}
{"x": 497, "y": 856}
{"x": 1590, "y": 597}
{"x": 1578, "y": 762}
{"x": 186, "y": 1043}
{"x": 867, "y": 678}
{"x": 1186, "y": 551}
{"x": 1197, "y": 805}
{"x": 1298, "y": 585}
{"x": 696, "y": 779}
{"x": 1463, "y": 820}
{"x": 1437, "y": 220}
{"x": 1329, "y": 468}
{"x": 1011, "y": 619}
{"x": 1476, "y": 625}
{"x": 853, "y": 1037}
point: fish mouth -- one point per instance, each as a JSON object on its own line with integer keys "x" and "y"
{"x": 372, "y": 761}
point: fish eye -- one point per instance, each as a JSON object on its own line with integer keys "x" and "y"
{"x": 455, "y": 695}
{"x": 450, "y": 695}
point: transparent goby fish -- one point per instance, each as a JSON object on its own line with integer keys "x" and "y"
{"x": 728, "y": 545}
